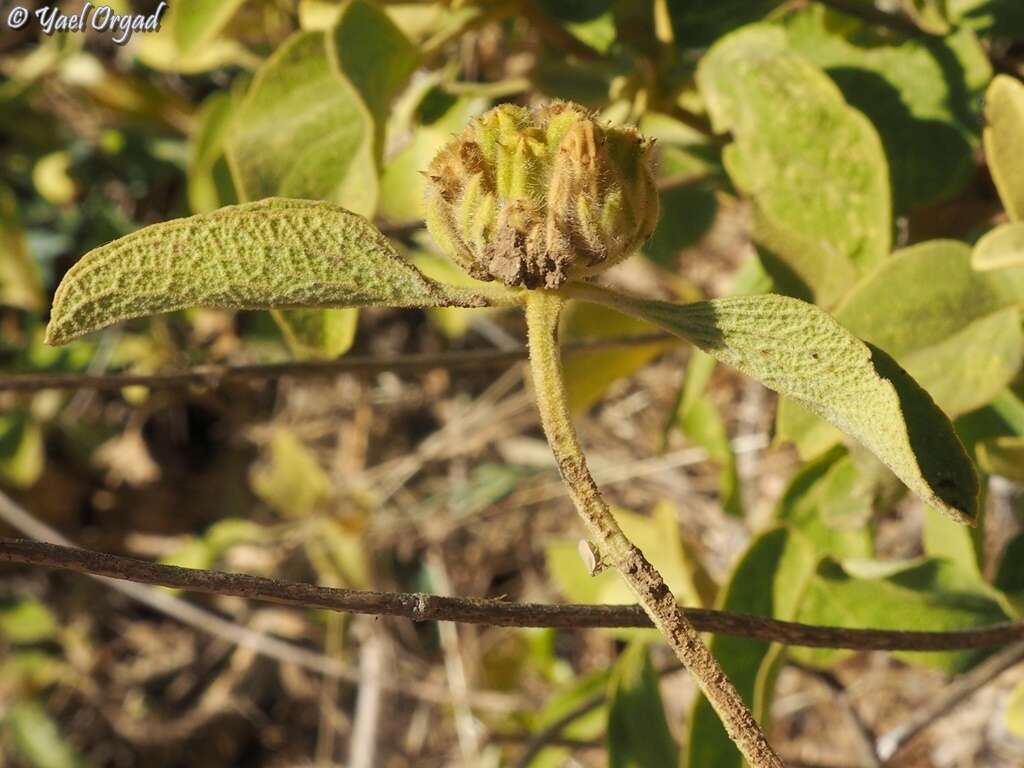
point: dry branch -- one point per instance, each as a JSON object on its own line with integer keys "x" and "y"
{"x": 424, "y": 607}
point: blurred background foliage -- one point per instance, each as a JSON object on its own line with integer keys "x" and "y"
{"x": 861, "y": 155}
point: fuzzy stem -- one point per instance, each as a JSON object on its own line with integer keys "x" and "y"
{"x": 542, "y": 313}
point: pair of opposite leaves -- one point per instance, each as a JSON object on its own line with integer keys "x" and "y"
{"x": 282, "y": 253}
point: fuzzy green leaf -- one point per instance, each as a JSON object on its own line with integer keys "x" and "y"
{"x": 958, "y": 336}
{"x": 1004, "y": 113}
{"x": 813, "y": 167}
{"x": 1001, "y": 247}
{"x": 801, "y": 352}
{"x": 271, "y": 254}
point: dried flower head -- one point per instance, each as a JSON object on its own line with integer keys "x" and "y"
{"x": 535, "y": 197}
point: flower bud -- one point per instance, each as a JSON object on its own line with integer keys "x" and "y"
{"x": 535, "y": 198}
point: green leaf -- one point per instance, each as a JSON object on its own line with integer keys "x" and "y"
{"x": 684, "y": 156}
{"x": 52, "y": 180}
{"x": 813, "y": 167}
{"x": 318, "y": 334}
{"x": 37, "y": 739}
{"x": 958, "y": 336}
{"x": 638, "y": 734}
{"x": 933, "y": 595}
{"x": 28, "y": 621}
{"x": 1004, "y": 416}
{"x": 801, "y": 352}
{"x": 768, "y": 581}
{"x": 929, "y": 15}
{"x": 275, "y": 253}
{"x": 922, "y": 95}
{"x": 598, "y": 33}
{"x": 830, "y": 502}
{"x": 1001, "y": 247}
{"x": 703, "y": 424}
{"x": 1004, "y": 113}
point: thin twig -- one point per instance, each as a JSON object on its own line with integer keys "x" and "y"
{"x": 955, "y": 694}
{"x": 471, "y": 610}
{"x": 212, "y": 624}
{"x": 213, "y": 375}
